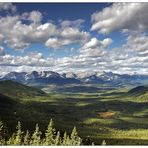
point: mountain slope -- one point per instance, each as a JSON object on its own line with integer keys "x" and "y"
{"x": 139, "y": 94}
{"x": 6, "y": 101}
{"x": 140, "y": 90}
{"x": 40, "y": 78}
{"x": 44, "y": 78}
{"x": 17, "y": 103}
{"x": 15, "y": 89}
{"x": 7, "y": 108}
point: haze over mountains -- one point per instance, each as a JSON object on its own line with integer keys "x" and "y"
{"x": 50, "y": 77}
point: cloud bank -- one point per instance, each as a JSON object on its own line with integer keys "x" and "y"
{"x": 20, "y": 31}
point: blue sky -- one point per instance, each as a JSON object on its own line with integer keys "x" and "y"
{"x": 58, "y": 12}
{"x": 76, "y": 37}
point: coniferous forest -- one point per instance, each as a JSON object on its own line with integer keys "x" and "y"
{"x": 37, "y": 138}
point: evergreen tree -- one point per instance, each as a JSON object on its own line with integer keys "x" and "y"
{"x": 103, "y": 142}
{"x": 68, "y": 141}
{"x": 18, "y": 135}
{"x": 11, "y": 140}
{"x": 50, "y": 133}
{"x": 75, "y": 139}
{"x": 2, "y": 140}
{"x": 57, "y": 139}
{"x": 36, "y": 136}
{"x": 51, "y": 137}
{"x": 64, "y": 139}
{"x": 27, "y": 138}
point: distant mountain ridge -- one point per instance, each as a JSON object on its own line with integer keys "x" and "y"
{"x": 50, "y": 77}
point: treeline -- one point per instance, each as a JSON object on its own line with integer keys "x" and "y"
{"x": 37, "y": 138}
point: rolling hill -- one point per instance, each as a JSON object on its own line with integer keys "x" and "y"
{"x": 15, "y": 89}
{"x": 16, "y": 103}
{"x": 139, "y": 90}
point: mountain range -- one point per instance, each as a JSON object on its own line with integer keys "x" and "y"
{"x": 50, "y": 77}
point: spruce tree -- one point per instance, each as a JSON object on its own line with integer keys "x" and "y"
{"x": 11, "y": 140}
{"x": 50, "y": 133}
{"x": 57, "y": 140}
{"x": 75, "y": 139}
{"x": 27, "y": 138}
{"x": 2, "y": 140}
{"x": 103, "y": 142}
{"x": 68, "y": 141}
{"x": 18, "y": 136}
{"x": 64, "y": 139}
{"x": 36, "y": 136}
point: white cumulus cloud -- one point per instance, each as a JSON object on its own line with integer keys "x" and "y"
{"x": 7, "y": 6}
{"x": 131, "y": 16}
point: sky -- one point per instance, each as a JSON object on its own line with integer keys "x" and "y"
{"x": 74, "y": 37}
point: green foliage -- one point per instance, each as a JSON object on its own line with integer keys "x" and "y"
{"x": 11, "y": 140}
{"x": 65, "y": 139}
{"x": 103, "y": 143}
{"x": 68, "y": 141}
{"x": 18, "y": 137}
{"x": 51, "y": 137}
{"x": 2, "y": 139}
{"x": 1, "y": 129}
{"x": 75, "y": 139}
{"x": 50, "y": 133}
{"x": 57, "y": 139}
{"x": 36, "y": 136}
{"x": 27, "y": 138}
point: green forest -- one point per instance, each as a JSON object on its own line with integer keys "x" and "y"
{"x": 37, "y": 138}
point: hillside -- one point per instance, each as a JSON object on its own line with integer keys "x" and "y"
{"x": 139, "y": 90}
{"x": 16, "y": 103}
{"x": 7, "y": 109}
{"x": 15, "y": 89}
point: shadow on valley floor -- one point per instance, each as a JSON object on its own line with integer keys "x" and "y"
{"x": 83, "y": 89}
{"x": 76, "y": 112}
{"x": 115, "y": 94}
{"x": 73, "y": 111}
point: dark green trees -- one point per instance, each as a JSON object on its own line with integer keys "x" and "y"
{"x": 27, "y": 138}
{"x": 75, "y": 139}
{"x": 36, "y": 136}
{"x": 16, "y": 138}
{"x": 2, "y": 141}
{"x": 50, "y": 134}
{"x": 103, "y": 142}
{"x": 50, "y": 137}
{"x": 18, "y": 135}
